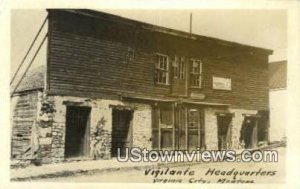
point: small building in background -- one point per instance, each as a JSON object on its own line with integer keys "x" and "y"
{"x": 278, "y": 94}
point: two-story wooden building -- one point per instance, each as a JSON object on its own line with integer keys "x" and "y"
{"x": 112, "y": 82}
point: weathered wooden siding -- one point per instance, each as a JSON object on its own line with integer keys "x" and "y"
{"x": 83, "y": 64}
{"x": 248, "y": 83}
{"x": 89, "y": 57}
{"x": 24, "y": 112}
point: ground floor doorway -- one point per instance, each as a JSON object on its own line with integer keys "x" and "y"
{"x": 249, "y": 131}
{"x": 178, "y": 127}
{"x": 77, "y": 131}
{"x": 263, "y": 126}
{"x": 224, "y": 122}
{"x": 121, "y": 131}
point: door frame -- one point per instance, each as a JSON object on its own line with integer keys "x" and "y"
{"x": 85, "y": 152}
{"x": 130, "y": 125}
{"x": 229, "y": 129}
{"x": 254, "y": 137}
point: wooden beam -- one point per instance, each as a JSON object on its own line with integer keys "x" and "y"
{"x": 174, "y": 124}
{"x": 225, "y": 114}
{"x": 186, "y": 128}
{"x": 199, "y": 127}
{"x": 159, "y": 129}
{"x": 121, "y": 107}
{"x": 251, "y": 115}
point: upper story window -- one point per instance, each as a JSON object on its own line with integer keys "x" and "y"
{"x": 179, "y": 68}
{"x": 196, "y": 73}
{"x": 162, "y": 69}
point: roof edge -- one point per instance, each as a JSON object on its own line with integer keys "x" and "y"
{"x": 151, "y": 27}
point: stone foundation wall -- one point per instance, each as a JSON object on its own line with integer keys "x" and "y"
{"x": 142, "y": 126}
{"x": 51, "y": 126}
{"x": 52, "y": 131}
{"x": 211, "y": 127}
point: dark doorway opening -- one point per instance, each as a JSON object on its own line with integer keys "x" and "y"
{"x": 121, "y": 131}
{"x": 263, "y": 126}
{"x": 249, "y": 132}
{"x": 77, "y": 131}
{"x": 224, "y": 131}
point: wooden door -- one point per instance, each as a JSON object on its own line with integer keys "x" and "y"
{"x": 224, "y": 131}
{"x": 249, "y": 132}
{"x": 179, "y": 76}
{"x": 121, "y": 131}
{"x": 77, "y": 131}
{"x": 193, "y": 132}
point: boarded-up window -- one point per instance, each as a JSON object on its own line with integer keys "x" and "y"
{"x": 166, "y": 116}
{"x": 166, "y": 139}
{"x": 193, "y": 140}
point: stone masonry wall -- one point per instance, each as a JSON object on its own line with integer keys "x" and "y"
{"x": 52, "y": 126}
{"x": 49, "y": 135}
{"x": 142, "y": 126}
{"x": 52, "y": 143}
{"x": 211, "y": 127}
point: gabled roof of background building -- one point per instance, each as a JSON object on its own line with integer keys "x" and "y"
{"x": 278, "y": 75}
{"x": 34, "y": 79}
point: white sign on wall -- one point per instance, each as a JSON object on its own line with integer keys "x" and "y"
{"x": 221, "y": 83}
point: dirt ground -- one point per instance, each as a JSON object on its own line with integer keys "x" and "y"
{"x": 272, "y": 172}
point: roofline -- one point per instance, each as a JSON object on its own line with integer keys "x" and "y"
{"x": 277, "y": 89}
{"x": 151, "y": 27}
{"x": 27, "y": 91}
{"x": 279, "y": 61}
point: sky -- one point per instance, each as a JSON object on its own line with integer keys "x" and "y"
{"x": 260, "y": 28}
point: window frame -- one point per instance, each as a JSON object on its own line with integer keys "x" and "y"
{"x": 180, "y": 128}
{"x": 178, "y": 65}
{"x": 196, "y": 74}
{"x": 165, "y": 69}
{"x": 181, "y": 68}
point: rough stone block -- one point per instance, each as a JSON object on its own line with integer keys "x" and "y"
{"x": 45, "y": 141}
